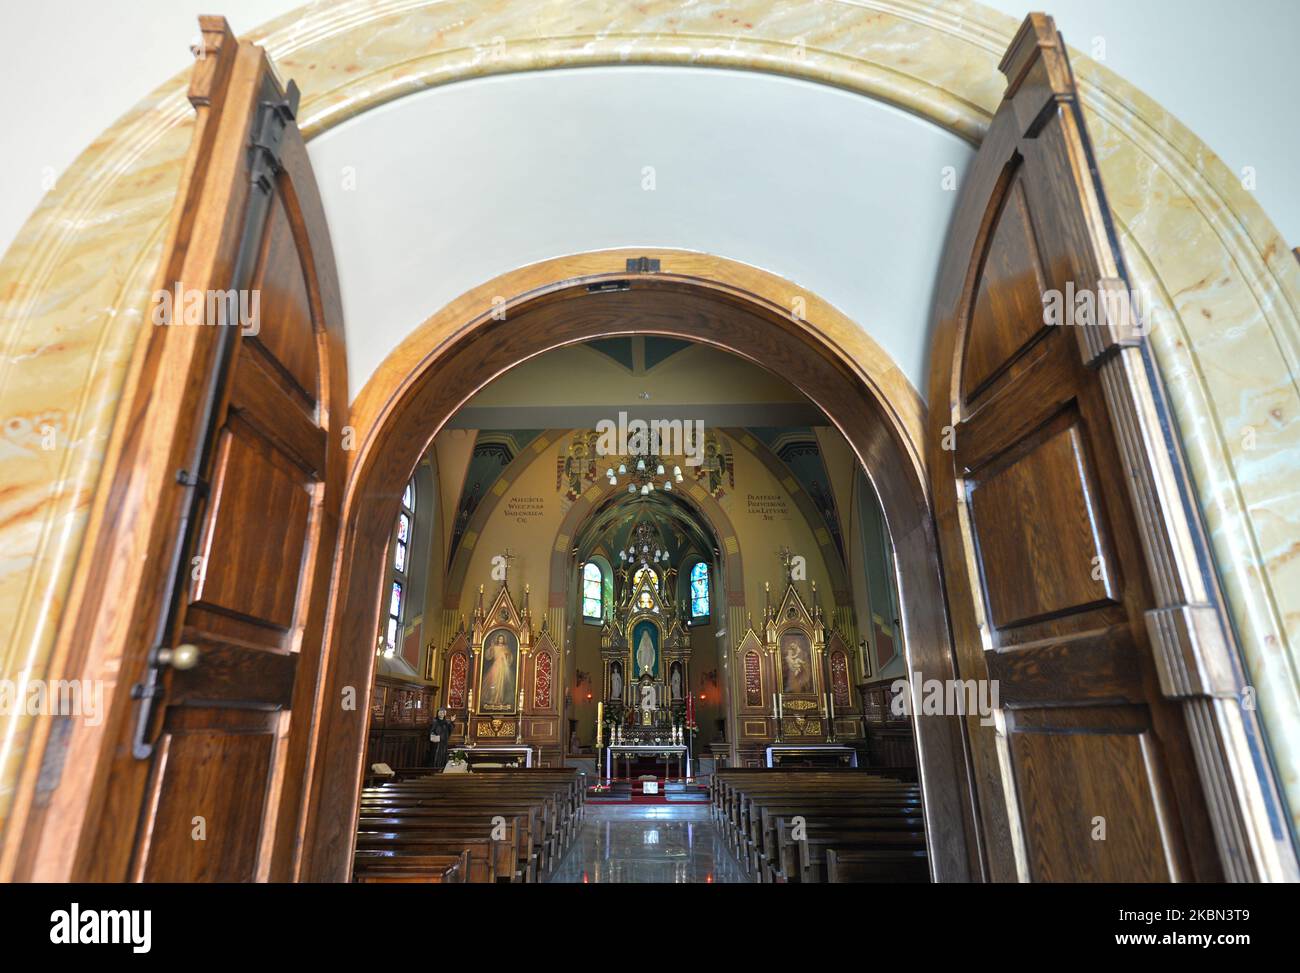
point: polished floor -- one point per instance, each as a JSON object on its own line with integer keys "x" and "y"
{"x": 648, "y": 843}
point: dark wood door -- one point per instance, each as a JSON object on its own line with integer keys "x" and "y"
{"x": 211, "y": 769}
{"x": 1091, "y": 776}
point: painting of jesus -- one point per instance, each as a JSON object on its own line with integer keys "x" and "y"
{"x": 500, "y": 671}
{"x": 796, "y": 663}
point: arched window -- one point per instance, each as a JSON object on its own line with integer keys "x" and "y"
{"x": 593, "y": 592}
{"x": 700, "y": 590}
{"x": 646, "y": 572}
{"x": 401, "y": 568}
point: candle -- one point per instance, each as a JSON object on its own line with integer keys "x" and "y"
{"x": 774, "y": 709}
{"x": 780, "y": 705}
{"x": 831, "y": 697}
{"x": 600, "y": 723}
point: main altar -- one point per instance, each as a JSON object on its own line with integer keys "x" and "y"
{"x": 645, "y": 716}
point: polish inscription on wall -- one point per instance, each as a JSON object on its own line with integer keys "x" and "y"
{"x": 525, "y": 510}
{"x": 767, "y": 506}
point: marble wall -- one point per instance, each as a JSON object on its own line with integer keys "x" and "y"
{"x": 1225, "y": 287}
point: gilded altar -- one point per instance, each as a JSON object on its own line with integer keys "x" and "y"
{"x": 503, "y": 675}
{"x": 793, "y": 689}
{"x": 645, "y": 657}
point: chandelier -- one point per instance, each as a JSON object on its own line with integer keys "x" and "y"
{"x": 645, "y": 474}
{"x": 643, "y": 535}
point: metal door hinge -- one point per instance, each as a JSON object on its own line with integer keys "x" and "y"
{"x": 273, "y": 118}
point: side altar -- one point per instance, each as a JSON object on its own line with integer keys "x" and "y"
{"x": 501, "y": 675}
{"x": 794, "y": 699}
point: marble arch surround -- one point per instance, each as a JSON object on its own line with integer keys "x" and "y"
{"x": 74, "y": 284}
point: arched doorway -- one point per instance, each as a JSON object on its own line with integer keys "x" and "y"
{"x": 487, "y": 332}
{"x": 564, "y": 302}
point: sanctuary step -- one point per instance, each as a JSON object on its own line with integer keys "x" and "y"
{"x": 634, "y": 792}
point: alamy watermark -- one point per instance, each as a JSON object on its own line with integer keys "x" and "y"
{"x": 212, "y": 308}
{"x": 1087, "y": 307}
{"x": 945, "y": 697}
{"x": 80, "y": 698}
{"x": 658, "y": 437}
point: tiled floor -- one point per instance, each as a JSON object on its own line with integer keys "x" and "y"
{"x": 649, "y": 843}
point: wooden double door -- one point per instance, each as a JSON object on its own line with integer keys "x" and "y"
{"x": 206, "y": 774}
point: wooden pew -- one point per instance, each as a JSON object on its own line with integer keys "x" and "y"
{"x": 432, "y": 869}
{"x": 876, "y": 865}
{"x": 483, "y": 853}
{"x": 511, "y": 825}
{"x": 874, "y": 823}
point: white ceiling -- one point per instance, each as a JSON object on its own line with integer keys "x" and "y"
{"x": 836, "y": 192}
{"x": 457, "y": 184}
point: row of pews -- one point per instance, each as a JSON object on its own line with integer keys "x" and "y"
{"x": 805, "y": 825}
{"x": 488, "y": 826}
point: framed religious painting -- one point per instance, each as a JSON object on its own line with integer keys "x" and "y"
{"x": 796, "y": 663}
{"x": 498, "y": 680}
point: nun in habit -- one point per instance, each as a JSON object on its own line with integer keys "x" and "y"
{"x": 440, "y": 735}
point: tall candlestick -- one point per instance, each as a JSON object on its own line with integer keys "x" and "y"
{"x": 600, "y": 724}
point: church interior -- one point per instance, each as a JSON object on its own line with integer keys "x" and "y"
{"x": 680, "y": 569}
{"x": 514, "y": 442}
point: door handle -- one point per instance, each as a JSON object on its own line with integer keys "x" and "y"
{"x": 184, "y": 656}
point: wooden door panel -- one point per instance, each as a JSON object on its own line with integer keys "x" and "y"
{"x": 235, "y": 676}
{"x": 1086, "y": 798}
{"x": 1036, "y": 523}
{"x": 203, "y": 826}
{"x": 1045, "y": 671}
{"x": 258, "y": 397}
{"x": 1007, "y": 312}
{"x": 258, "y": 525}
{"x": 1042, "y": 548}
{"x": 286, "y": 327}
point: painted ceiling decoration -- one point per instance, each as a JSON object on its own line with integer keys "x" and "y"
{"x": 494, "y": 450}
{"x": 623, "y": 519}
{"x": 581, "y": 465}
{"x": 618, "y": 349}
{"x": 658, "y": 349}
{"x": 652, "y": 350}
{"x": 799, "y": 451}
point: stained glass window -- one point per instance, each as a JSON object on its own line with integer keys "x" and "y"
{"x": 644, "y": 572}
{"x": 700, "y": 590}
{"x": 593, "y": 583}
{"x": 403, "y": 537}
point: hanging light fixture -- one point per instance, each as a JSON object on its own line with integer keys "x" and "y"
{"x": 648, "y": 473}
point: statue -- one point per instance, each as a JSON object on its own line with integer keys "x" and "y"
{"x": 615, "y": 681}
{"x": 645, "y": 653}
{"x": 440, "y": 737}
